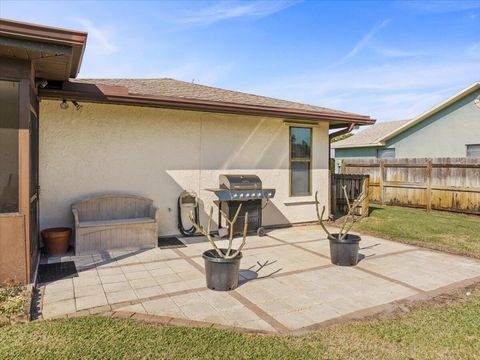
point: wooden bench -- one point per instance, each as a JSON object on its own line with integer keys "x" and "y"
{"x": 109, "y": 222}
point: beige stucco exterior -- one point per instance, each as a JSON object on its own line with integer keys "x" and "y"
{"x": 157, "y": 153}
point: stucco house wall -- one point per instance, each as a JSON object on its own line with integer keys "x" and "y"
{"x": 158, "y": 153}
{"x": 443, "y": 134}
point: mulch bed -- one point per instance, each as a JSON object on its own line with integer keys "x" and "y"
{"x": 15, "y": 300}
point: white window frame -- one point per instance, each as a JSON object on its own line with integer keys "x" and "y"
{"x": 475, "y": 151}
{"x": 292, "y": 160}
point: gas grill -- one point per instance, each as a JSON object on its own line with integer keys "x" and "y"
{"x": 246, "y": 190}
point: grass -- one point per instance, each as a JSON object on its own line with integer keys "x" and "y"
{"x": 456, "y": 233}
{"x": 449, "y": 329}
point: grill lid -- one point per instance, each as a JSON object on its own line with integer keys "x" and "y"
{"x": 240, "y": 182}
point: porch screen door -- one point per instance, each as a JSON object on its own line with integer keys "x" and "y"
{"x": 34, "y": 186}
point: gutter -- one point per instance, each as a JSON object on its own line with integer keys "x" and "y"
{"x": 109, "y": 95}
{"x": 29, "y": 31}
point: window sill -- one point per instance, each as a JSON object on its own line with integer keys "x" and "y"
{"x": 304, "y": 201}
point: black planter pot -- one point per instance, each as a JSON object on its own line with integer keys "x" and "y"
{"x": 222, "y": 274}
{"x": 344, "y": 252}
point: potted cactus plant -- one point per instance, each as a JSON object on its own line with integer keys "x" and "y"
{"x": 222, "y": 266}
{"x": 343, "y": 246}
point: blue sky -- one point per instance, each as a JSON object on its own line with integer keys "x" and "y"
{"x": 390, "y": 60}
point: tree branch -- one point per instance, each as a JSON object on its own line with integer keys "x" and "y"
{"x": 320, "y": 217}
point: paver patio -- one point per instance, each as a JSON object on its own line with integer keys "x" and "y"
{"x": 287, "y": 282}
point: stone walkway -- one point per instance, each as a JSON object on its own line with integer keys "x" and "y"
{"x": 287, "y": 283}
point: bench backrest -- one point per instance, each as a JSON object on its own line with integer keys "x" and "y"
{"x": 112, "y": 207}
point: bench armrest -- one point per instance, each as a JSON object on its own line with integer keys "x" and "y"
{"x": 76, "y": 217}
{"x": 154, "y": 213}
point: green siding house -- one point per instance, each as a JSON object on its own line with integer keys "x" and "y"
{"x": 450, "y": 129}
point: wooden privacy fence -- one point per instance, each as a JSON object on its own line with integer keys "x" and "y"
{"x": 451, "y": 184}
{"x": 355, "y": 184}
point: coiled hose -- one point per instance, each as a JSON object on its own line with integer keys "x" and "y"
{"x": 190, "y": 231}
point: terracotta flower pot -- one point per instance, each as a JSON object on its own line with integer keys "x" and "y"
{"x": 56, "y": 240}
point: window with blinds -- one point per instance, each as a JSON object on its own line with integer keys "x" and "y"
{"x": 473, "y": 150}
{"x": 300, "y": 161}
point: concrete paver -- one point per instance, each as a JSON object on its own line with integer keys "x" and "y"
{"x": 425, "y": 269}
{"x": 58, "y": 308}
{"x": 117, "y": 286}
{"x": 150, "y": 291}
{"x": 90, "y": 301}
{"x": 120, "y": 296}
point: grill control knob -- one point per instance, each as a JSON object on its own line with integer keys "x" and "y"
{"x": 241, "y": 195}
{"x": 235, "y": 195}
{"x": 247, "y": 194}
{"x": 259, "y": 194}
{"x": 269, "y": 194}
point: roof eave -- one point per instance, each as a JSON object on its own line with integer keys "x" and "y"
{"x": 48, "y": 34}
{"x": 96, "y": 94}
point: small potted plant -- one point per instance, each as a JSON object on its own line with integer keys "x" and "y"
{"x": 343, "y": 246}
{"x": 222, "y": 266}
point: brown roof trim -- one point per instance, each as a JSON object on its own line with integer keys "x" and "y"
{"x": 48, "y": 34}
{"x": 119, "y": 95}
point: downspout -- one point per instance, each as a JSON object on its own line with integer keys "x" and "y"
{"x": 335, "y": 134}
{"x": 330, "y": 137}
{"x": 342, "y": 131}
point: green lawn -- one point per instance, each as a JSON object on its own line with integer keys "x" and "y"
{"x": 451, "y": 232}
{"x": 447, "y": 330}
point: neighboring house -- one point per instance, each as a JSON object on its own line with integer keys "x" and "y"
{"x": 152, "y": 137}
{"x": 450, "y": 129}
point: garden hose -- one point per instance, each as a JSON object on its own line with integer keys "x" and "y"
{"x": 190, "y": 231}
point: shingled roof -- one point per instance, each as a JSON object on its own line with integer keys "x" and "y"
{"x": 182, "y": 89}
{"x": 371, "y": 135}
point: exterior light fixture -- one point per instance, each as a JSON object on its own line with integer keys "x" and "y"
{"x": 77, "y": 105}
{"x": 477, "y": 101}
{"x": 42, "y": 83}
{"x": 64, "y": 105}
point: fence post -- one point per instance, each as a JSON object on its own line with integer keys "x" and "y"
{"x": 382, "y": 179}
{"x": 366, "y": 202}
{"x": 333, "y": 195}
{"x": 342, "y": 167}
{"x": 429, "y": 185}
